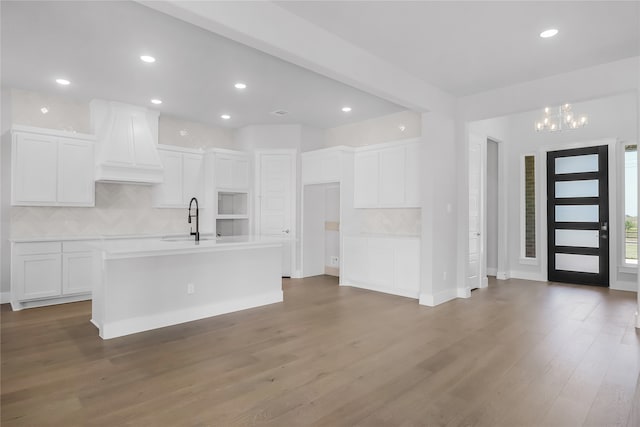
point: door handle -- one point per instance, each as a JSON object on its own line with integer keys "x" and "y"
{"x": 286, "y": 231}
{"x": 604, "y": 226}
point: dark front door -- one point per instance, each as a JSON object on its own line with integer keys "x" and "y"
{"x": 578, "y": 216}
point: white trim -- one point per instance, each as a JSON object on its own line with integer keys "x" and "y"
{"x": 19, "y": 305}
{"x": 622, "y": 285}
{"x": 383, "y": 289}
{"x": 388, "y": 144}
{"x": 52, "y": 132}
{"x": 503, "y": 275}
{"x": 491, "y": 271}
{"x": 144, "y": 323}
{"x": 432, "y": 300}
{"x": 463, "y": 293}
{"x": 529, "y": 261}
{"x": 528, "y": 275}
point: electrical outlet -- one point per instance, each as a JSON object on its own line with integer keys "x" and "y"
{"x": 191, "y": 288}
{"x": 335, "y": 260}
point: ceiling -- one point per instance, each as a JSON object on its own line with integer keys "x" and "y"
{"x": 474, "y": 46}
{"x": 96, "y": 45}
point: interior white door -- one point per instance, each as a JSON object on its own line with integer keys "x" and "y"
{"x": 476, "y": 211}
{"x": 276, "y": 184}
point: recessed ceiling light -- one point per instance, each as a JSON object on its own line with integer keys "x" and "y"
{"x": 225, "y": 117}
{"x": 240, "y": 85}
{"x": 44, "y": 110}
{"x": 548, "y": 33}
{"x": 346, "y": 109}
{"x": 156, "y": 101}
{"x": 147, "y": 59}
{"x": 63, "y": 82}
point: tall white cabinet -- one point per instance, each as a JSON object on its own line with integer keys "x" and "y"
{"x": 51, "y": 168}
{"x": 388, "y": 175}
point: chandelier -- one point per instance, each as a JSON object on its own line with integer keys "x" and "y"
{"x": 562, "y": 118}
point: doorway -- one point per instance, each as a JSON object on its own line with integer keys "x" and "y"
{"x": 492, "y": 223}
{"x": 578, "y": 216}
{"x": 321, "y": 230}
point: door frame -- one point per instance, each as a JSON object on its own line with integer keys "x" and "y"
{"x": 503, "y": 268}
{"x": 294, "y": 192}
{"x": 541, "y": 208}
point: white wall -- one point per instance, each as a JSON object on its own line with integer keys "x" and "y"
{"x": 439, "y": 175}
{"x": 492, "y": 207}
{"x": 376, "y": 131}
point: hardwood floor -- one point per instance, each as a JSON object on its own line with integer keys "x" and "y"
{"x": 517, "y": 353}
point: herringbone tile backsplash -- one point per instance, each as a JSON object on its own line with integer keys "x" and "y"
{"x": 120, "y": 209}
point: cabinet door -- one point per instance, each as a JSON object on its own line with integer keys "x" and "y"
{"x": 192, "y": 177}
{"x": 412, "y": 175}
{"x": 36, "y": 276}
{"x": 407, "y": 265}
{"x": 77, "y": 273}
{"x": 392, "y": 162}
{"x": 75, "y": 173}
{"x": 224, "y": 171}
{"x": 355, "y": 259}
{"x": 366, "y": 180}
{"x": 35, "y": 165}
{"x": 381, "y": 262}
{"x": 169, "y": 193}
{"x": 241, "y": 174}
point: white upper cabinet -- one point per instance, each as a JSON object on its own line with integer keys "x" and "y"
{"x": 51, "y": 168}
{"x": 232, "y": 171}
{"x": 321, "y": 166}
{"x": 387, "y": 176}
{"x": 183, "y": 177}
{"x": 366, "y": 179}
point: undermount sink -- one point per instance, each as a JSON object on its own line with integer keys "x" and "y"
{"x": 184, "y": 238}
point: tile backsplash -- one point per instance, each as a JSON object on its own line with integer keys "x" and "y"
{"x": 120, "y": 209}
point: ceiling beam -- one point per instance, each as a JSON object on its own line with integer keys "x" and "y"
{"x": 267, "y": 27}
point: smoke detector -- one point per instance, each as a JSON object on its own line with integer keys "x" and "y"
{"x": 280, "y": 113}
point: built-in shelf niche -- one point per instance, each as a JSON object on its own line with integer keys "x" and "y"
{"x": 232, "y": 217}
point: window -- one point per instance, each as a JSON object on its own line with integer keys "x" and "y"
{"x": 631, "y": 204}
{"x": 528, "y": 208}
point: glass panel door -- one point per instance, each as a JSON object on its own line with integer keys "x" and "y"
{"x": 578, "y": 216}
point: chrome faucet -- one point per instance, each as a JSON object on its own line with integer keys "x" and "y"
{"x": 197, "y": 232}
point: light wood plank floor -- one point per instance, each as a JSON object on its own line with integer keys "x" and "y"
{"x": 515, "y": 354}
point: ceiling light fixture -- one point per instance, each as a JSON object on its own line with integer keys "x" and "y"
{"x": 240, "y": 85}
{"x": 564, "y": 118}
{"x": 44, "y": 110}
{"x": 346, "y": 109}
{"x": 225, "y": 117}
{"x": 148, "y": 59}
{"x": 548, "y": 33}
{"x": 156, "y": 101}
{"x": 63, "y": 82}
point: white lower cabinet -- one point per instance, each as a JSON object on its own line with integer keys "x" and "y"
{"x": 50, "y": 271}
{"x": 384, "y": 264}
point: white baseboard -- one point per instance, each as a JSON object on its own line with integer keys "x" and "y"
{"x": 441, "y": 297}
{"x": 624, "y": 286}
{"x": 463, "y": 293}
{"x": 20, "y": 305}
{"x": 528, "y": 275}
{"x": 5, "y": 297}
{"x": 502, "y": 275}
{"x": 144, "y": 323}
{"x": 384, "y": 290}
{"x": 297, "y": 275}
{"x": 484, "y": 282}
{"x": 492, "y": 271}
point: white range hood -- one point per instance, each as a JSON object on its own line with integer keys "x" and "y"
{"x": 126, "y": 146}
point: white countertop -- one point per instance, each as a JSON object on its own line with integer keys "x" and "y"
{"x": 137, "y": 247}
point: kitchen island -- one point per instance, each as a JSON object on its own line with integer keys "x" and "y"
{"x": 143, "y": 284}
